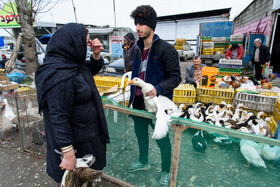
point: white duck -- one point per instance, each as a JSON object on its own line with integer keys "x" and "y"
{"x": 154, "y": 105}
{"x": 252, "y": 153}
{"x": 236, "y": 115}
{"x": 180, "y": 111}
{"x": 270, "y": 152}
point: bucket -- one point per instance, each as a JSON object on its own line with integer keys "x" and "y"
{"x": 209, "y": 75}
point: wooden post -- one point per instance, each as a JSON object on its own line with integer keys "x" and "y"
{"x": 176, "y": 151}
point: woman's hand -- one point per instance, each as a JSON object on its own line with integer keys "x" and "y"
{"x": 96, "y": 47}
{"x": 69, "y": 161}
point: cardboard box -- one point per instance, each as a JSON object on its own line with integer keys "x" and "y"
{"x": 4, "y": 78}
{"x": 7, "y": 86}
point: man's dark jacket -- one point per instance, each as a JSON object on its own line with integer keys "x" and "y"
{"x": 264, "y": 55}
{"x": 163, "y": 69}
{"x": 128, "y": 57}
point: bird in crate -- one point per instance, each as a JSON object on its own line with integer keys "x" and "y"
{"x": 159, "y": 105}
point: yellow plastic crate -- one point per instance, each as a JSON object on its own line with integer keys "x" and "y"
{"x": 273, "y": 124}
{"x": 276, "y": 113}
{"x": 178, "y": 47}
{"x": 268, "y": 93}
{"x": 26, "y": 91}
{"x": 214, "y": 95}
{"x": 184, "y": 93}
{"x": 106, "y": 82}
{"x": 277, "y": 104}
{"x": 221, "y": 73}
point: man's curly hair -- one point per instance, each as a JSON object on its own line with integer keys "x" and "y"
{"x": 143, "y": 11}
{"x": 145, "y": 14}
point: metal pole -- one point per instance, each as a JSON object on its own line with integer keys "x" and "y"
{"x": 74, "y": 10}
{"x": 114, "y": 13}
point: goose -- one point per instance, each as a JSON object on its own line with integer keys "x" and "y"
{"x": 239, "y": 106}
{"x": 265, "y": 123}
{"x": 228, "y": 115}
{"x": 252, "y": 153}
{"x": 244, "y": 129}
{"x": 236, "y": 115}
{"x": 260, "y": 114}
{"x": 154, "y": 105}
{"x": 243, "y": 116}
{"x": 197, "y": 116}
{"x": 257, "y": 128}
{"x": 270, "y": 152}
{"x": 209, "y": 110}
{"x": 181, "y": 111}
{"x": 243, "y": 124}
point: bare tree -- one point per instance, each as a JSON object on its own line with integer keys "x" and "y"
{"x": 27, "y": 11}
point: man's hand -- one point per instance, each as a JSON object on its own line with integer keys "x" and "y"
{"x": 69, "y": 161}
{"x": 197, "y": 83}
{"x": 152, "y": 93}
{"x": 250, "y": 63}
{"x": 96, "y": 47}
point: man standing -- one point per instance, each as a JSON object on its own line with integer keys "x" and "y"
{"x": 128, "y": 51}
{"x": 261, "y": 57}
{"x": 156, "y": 62}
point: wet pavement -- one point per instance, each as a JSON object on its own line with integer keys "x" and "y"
{"x": 20, "y": 169}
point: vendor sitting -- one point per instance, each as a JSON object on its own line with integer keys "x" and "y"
{"x": 234, "y": 52}
{"x": 194, "y": 72}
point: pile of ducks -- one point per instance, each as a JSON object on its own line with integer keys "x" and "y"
{"x": 228, "y": 116}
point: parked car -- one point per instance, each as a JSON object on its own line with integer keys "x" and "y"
{"x": 40, "y": 48}
{"x": 106, "y": 61}
{"x": 115, "y": 68}
{"x": 105, "y": 55}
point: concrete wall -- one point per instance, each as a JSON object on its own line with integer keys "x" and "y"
{"x": 257, "y": 15}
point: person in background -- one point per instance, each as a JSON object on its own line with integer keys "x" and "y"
{"x": 156, "y": 62}
{"x": 128, "y": 50}
{"x": 194, "y": 72}
{"x": 260, "y": 57}
{"x": 74, "y": 118}
{"x": 234, "y": 52}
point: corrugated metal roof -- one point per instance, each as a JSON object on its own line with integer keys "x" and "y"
{"x": 100, "y": 30}
{"x": 191, "y": 15}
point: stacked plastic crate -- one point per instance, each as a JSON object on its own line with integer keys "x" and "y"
{"x": 229, "y": 67}
{"x": 259, "y": 102}
{"x": 237, "y": 38}
{"x": 207, "y": 45}
{"x": 275, "y": 118}
{"x": 179, "y": 43}
{"x": 184, "y": 94}
{"x": 214, "y": 95}
{"x": 106, "y": 82}
{"x": 219, "y": 45}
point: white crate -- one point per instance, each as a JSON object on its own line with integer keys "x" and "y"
{"x": 230, "y": 62}
{"x": 219, "y": 39}
{"x": 236, "y": 36}
{"x": 255, "y": 101}
{"x": 207, "y": 44}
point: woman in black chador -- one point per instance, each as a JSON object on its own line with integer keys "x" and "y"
{"x": 74, "y": 119}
